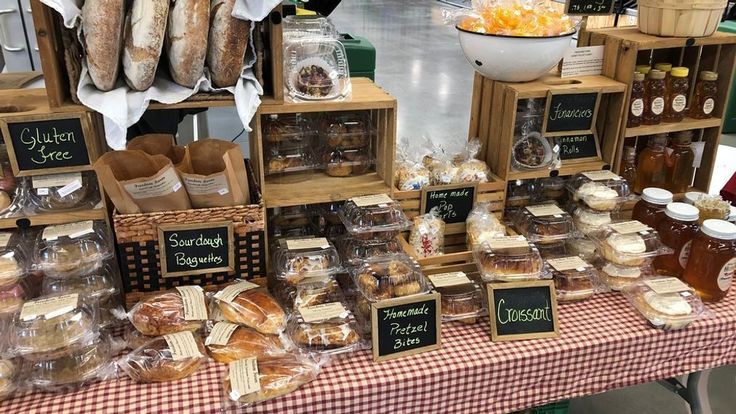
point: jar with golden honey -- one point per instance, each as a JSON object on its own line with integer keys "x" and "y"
{"x": 712, "y": 263}
{"x": 680, "y": 159}
{"x": 678, "y": 87}
{"x": 650, "y": 208}
{"x": 636, "y": 104}
{"x": 651, "y": 168}
{"x": 704, "y": 98}
{"x": 676, "y": 231}
{"x": 654, "y": 95}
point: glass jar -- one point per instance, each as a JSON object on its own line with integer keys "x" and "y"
{"x": 678, "y": 87}
{"x": 704, "y": 99}
{"x": 680, "y": 159}
{"x": 692, "y": 196}
{"x": 712, "y": 262}
{"x": 650, "y": 209}
{"x": 628, "y": 171}
{"x": 655, "y": 90}
{"x": 636, "y": 104}
{"x": 676, "y": 231}
{"x": 651, "y": 168}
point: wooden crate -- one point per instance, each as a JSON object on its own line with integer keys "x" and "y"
{"x": 493, "y": 116}
{"x": 626, "y": 47}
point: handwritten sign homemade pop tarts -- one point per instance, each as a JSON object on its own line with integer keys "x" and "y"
{"x": 195, "y": 249}
{"x": 452, "y": 202}
{"x": 571, "y": 112}
{"x": 406, "y": 326}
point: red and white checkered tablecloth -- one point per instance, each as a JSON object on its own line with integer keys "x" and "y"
{"x": 604, "y": 345}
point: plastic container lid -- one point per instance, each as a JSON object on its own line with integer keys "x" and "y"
{"x": 370, "y": 214}
{"x": 708, "y": 75}
{"x": 657, "y": 196}
{"x": 95, "y": 286}
{"x": 328, "y": 328}
{"x": 510, "y": 258}
{"x": 353, "y": 251}
{"x": 296, "y": 259}
{"x": 316, "y": 69}
{"x": 629, "y": 243}
{"x": 78, "y": 366}
{"x": 295, "y": 27}
{"x": 657, "y": 74}
{"x": 389, "y": 277}
{"x": 682, "y": 212}
{"x": 12, "y": 259}
{"x": 719, "y": 229}
{"x": 73, "y": 249}
{"x": 666, "y": 302}
{"x": 60, "y": 192}
{"x": 599, "y": 190}
{"x": 643, "y": 69}
{"x": 544, "y": 223}
{"x": 639, "y": 77}
{"x": 680, "y": 72}
{"x": 692, "y": 196}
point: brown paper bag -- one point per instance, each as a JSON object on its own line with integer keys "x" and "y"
{"x": 213, "y": 172}
{"x": 158, "y": 144}
{"x": 140, "y": 183}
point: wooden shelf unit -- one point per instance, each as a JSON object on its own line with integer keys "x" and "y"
{"x": 685, "y": 125}
{"x": 45, "y": 219}
{"x": 321, "y": 188}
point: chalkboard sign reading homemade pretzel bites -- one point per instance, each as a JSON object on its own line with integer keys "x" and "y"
{"x": 571, "y": 112}
{"x": 589, "y": 7}
{"x": 452, "y": 202}
{"x": 406, "y": 326}
{"x": 195, "y": 249}
{"x": 523, "y": 310}
{"x": 578, "y": 148}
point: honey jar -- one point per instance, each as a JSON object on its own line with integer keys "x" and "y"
{"x": 712, "y": 262}
{"x": 650, "y": 209}
{"x": 676, "y": 231}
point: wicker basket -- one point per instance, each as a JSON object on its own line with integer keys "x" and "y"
{"x": 680, "y": 18}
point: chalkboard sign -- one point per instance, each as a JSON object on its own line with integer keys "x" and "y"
{"x": 570, "y": 112}
{"x": 46, "y": 145}
{"x": 523, "y": 310}
{"x": 452, "y": 202}
{"x": 589, "y": 7}
{"x": 578, "y": 147}
{"x": 195, "y": 249}
{"x": 406, "y": 326}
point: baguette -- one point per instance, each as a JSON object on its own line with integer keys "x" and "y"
{"x": 186, "y": 40}
{"x": 145, "y": 29}
{"x": 228, "y": 42}
{"x": 102, "y": 24}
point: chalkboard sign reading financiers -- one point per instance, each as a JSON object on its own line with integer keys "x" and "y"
{"x": 452, "y": 202}
{"x": 570, "y": 112}
{"x": 589, "y": 7}
{"x": 195, "y": 249}
{"x": 405, "y": 326}
{"x": 49, "y": 144}
{"x": 523, "y": 310}
{"x": 576, "y": 147}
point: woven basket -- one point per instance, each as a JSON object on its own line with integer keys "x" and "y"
{"x": 680, "y": 18}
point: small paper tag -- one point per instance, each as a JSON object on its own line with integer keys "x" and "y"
{"x": 545, "y": 210}
{"x": 449, "y": 279}
{"x": 55, "y": 180}
{"x": 372, "y": 200}
{"x": 698, "y": 149}
{"x": 308, "y": 244}
{"x": 221, "y": 333}
{"x": 158, "y": 186}
{"x": 666, "y": 285}
{"x": 71, "y": 230}
{"x": 182, "y": 345}
{"x": 323, "y": 312}
{"x": 568, "y": 263}
{"x": 507, "y": 242}
{"x": 194, "y": 307}
{"x": 582, "y": 61}
{"x": 70, "y": 188}
{"x": 49, "y": 307}
{"x": 206, "y": 185}
{"x": 223, "y": 191}
{"x": 42, "y": 191}
{"x": 244, "y": 378}
{"x": 229, "y": 293}
{"x": 5, "y": 239}
{"x": 602, "y": 175}
{"x": 629, "y": 227}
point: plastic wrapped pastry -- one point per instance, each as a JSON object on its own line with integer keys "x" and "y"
{"x": 77, "y": 367}
{"x": 328, "y": 327}
{"x": 316, "y": 69}
{"x": 371, "y": 214}
{"x": 575, "y": 279}
{"x": 427, "y": 237}
{"x": 461, "y": 297}
{"x": 248, "y": 304}
{"x": 96, "y": 286}
{"x": 628, "y": 243}
{"x": 599, "y": 190}
{"x": 353, "y": 251}
{"x": 12, "y": 259}
{"x": 297, "y": 259}
{"x": 389, "y": 277}
{"x": 482, "y": 225}
{"x": 69, "y": 191}
{"x": 167, "y": 358}
{"x": 75, "y": 249}
{"x": 666, "y": 302}
{"x": 472, "y": 170}
{"x": 508, "y": 259}
{"x": 307, "y": 293}
{"x": 176, "y": 310}
{"x": 617, "y": 277}
{"x": 544, "y": 223}
{"x": 410, "y": 175}
{"x": 12, "y": 298}
{"x": 229, "y": 342}
{"x": 9, "y": 371}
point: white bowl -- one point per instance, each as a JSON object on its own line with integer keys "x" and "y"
{"x": 512, "y": 58}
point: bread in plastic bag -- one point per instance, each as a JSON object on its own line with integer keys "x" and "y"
{"x": 410, "y": 174}
{"x": 166, "y": 358}
{"x": 228, "y": 342}
{"x": 483, "y": 225}
{"x": 427, "y": 237}
{"x": 166, "y": 313}
{"x": 472, "y": 170}
{"x": 248, "y": 304}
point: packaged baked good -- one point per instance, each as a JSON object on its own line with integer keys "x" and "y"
{"x": 112, "y": 313}
{"x": 628, "y": 243}
{"x": 300, "y": 26}
{"x": 70, "y": 191}
{"x": 326, "y": 328}
{"x": 482, "y": 225}
{"x": 176, "y": 310}
{"x": 228, "y": 342}
{"x": 508, "y": 259}
{"x": 283, "y": 131}
{"x": 166, "y": 358}
{"x": 552, "y": 248}
{"x": 472, "y": 170}
{"x": 47, "y": 327}
{"x": 518, "y": 193}
{"x": 588, "y": 220}
{"x": 348, "y": 162}
{"x": 544, "y": 223}
{"x": 427, "y": 236}
{"x": 12, "y": 298}
{"x": 291, "y": 164}
{"x": 316, "y": 69}
{"x": 77, "y": 367}
{"x": 552, "y": 189}
{"x": 9, "y": 373}
{"x": 531, "y": 152}
{"x": 13, "y": 261}
{"x": 354, "y": 250}
{"x": 389, "y": 277}
{"x": 585, "y": 248}
{"x": 254, "y": 380}
{"x": 300, "y": 258}
{"x": 374, "y": 213}
{"x": 96, "y": 286}
{"x": 307, "y": 293}
{"x": 410, "y": 174}
{"x": 575, "y": 279}
{"x": 251, "y": 305}
{"x": 666, "y": 302}
{"x": 599, "y": 190}
{"x": 346, "y": 130}
{"x": 617, "y": 276}
{"x": 461, "y": 298}
{"x": 74, "y": 249}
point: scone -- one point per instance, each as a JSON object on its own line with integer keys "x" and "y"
{"x": 617, "y": 277}
{"x": 597, "y": 196}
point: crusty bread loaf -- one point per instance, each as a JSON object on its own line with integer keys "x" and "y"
{"x": 102, "y": 24}
{"x": 255, "y": 308}
{"x": 145, "y": 29}
{"x": 186, "y": 40}
{"x": 245, "y": 342}
{"x": 228, "y": 42}
{"x": 277, "y": 376}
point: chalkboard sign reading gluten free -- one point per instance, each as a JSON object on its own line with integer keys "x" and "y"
{"x": 50, "y": 145}
{"x": 578, "y": 147}
{"x": 570, "y": 112}
{"x": 406, "y": 326}
{"x": 523, "y": 310}
{"x": 195, "y": 249}
{"x": 452, "y": 202}
{"x": 589, "y": 7}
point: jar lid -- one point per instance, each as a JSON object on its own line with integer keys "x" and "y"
{"x": 719, "y": 229}
{"x": 682, "y": 211}
{"x": 638, "y": 76}
{"x": 692, "y": 196}
{"x": 664, "y": 67}
{"x": 643, "y": 69}
{"x": 656, "y": 74}
{"x": 708, "y": 75}
{"x": 656, "y": 195}
{"x": 680, "y": 72}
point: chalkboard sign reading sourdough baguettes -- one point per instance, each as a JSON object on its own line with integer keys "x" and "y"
{"x": 523, "y": 310}
{"x": 51, "y": 145}
{"x": 578, "y": 147}
{"x": 589, "y": 7}
{"x": 570, "y": 112}
{"x": 452, "y": 202}
{"x": 195, "y": 249}
{"x": 405, "y": 326}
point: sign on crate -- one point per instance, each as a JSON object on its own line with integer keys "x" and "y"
{"x": 523, "y": 310}
{"x": 589, "y": 7}
{"x": 406, "y": 326}
{"x": 578, "y": 147}
{"x": 195, "y": 249}
{"x": 570, "y": 112}
{"x": 452, "y": 202}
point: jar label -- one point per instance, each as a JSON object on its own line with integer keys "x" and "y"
{"x": 725, "y": 277}
{"x": 685, "y": 254}
{"x": 658, "y": 106}
{"x": 637, "y": 107}
{"x": 679, "y": 102}
{"x": 708, "y": 106}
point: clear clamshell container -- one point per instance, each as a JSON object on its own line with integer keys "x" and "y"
{"x": 666, "y": 302}
{"x": 61, "y": 192}
{"x": 316, "y": 69}
{"x": 544, "y": 223}
{"x": 325, "y": 328}
{"x": 346, "y": 130}
{"x": 287, "y": 131}
{"x": 354, "y": 251}
{"x": 13, "y": 260}
{"x": 389, "y": 277}
{"x": 599, "y": 190}
{"x": 96, "y": 286}
{"x": 509, "y": 259}
{"x": 628, "y": 243}
{"x": 374, "y": 214}
{"x": 70, "y": 250}
{"x": 80, "y": 366}
{"x": 349, "y": 162}
{"x": 305, "y": 258}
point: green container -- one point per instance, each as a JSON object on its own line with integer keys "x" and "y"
{"x": 361, "y": 56}
{"x": 559, "y": 407}
{"x": 729, "y": 118}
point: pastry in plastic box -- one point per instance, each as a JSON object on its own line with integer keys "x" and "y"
{"x": 532, "y": 152}
{"x": 348, "y": 130}
{"x": 348, "y": 162}
{"x": 519, "y": 193}
{"x": 628, "y": 243}
{"x": 617, "y": 277}
{"x": 316, "y": 69}
{"x": 372, "y": 214}
{"x": 228, "y": 342}
{"x": 12, "y": 259}
{"x": 389, "y": 277}
{"x": 508, "y": 259}
{"x": 180, "y": 309}
{"x": 9, "y": 373}
{"x": 12, "y": 298}
{"x": 290, "y": 217}
{"x": 276, "y": 376}
{"x": 588, "y": 220}
{"x": 328, "y": 327}
{"x": 292, "y": 160}
{"x": 307, "y": 293}
{"x": 353, "y": 251}
{"x": 585, "y": 248}
{"x": 78, "y": 367}
{"x": 166, "y": 358}
{"x": 300, "y": 26}
{"x": 666, "y": 302}
{"x": 461, "y": 298}
{"x": 544, "y": 223}
{"x": 96, "y": 286}
{"x": 599, "y": 190}
{"x": 553, "y": 188}
{"x": 575, "y": 279}
{"x": 70, "y": 250}
{"x": 483, "y": 225}
{"x": 301, "y": 258}
{"x": 551, "y": 249}
{"x": 69, "y": 191}
{"x": 248, "y": 304}
{"x": 427, "y": 236}
{"x": 288, "y": 130}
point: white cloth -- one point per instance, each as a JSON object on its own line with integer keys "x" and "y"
{"x": 254, "y": 10}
